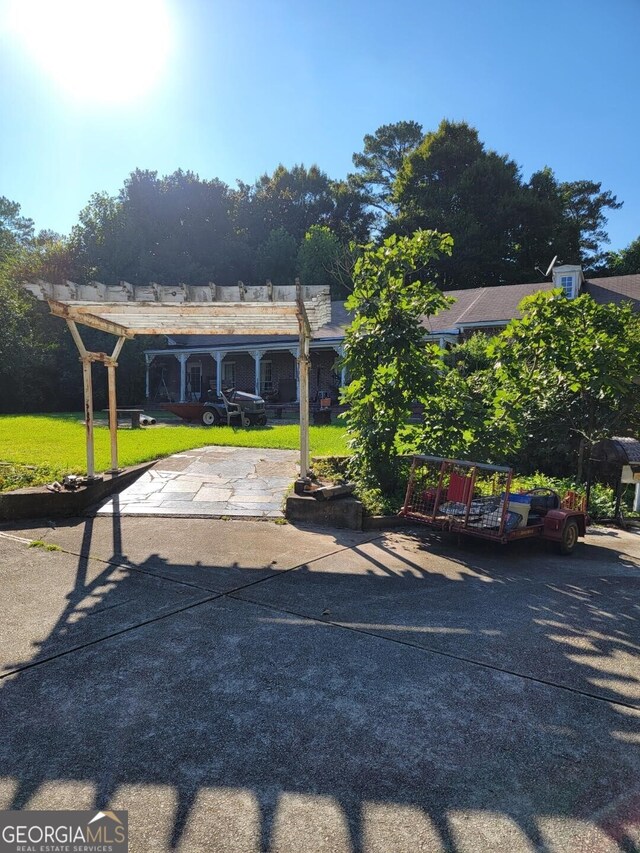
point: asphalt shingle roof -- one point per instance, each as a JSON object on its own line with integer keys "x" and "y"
{"x": 476, "y": 306}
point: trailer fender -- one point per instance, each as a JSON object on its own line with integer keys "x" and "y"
{"x": 555, "y": 520}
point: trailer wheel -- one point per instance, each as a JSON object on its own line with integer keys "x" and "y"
{"x": 210, "y": 417}
{"x": 569, "y": 537}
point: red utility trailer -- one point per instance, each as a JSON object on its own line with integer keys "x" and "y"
{"x": 475, "y": 499}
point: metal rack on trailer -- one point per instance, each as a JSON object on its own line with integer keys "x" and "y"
{"x": 475, "y": 499}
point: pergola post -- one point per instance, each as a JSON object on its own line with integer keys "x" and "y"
{"x": 88, "y": 415}
{"x": 86, "y": 360}
{"x": 111, "y": 365}
{"x": 303, "y": 362}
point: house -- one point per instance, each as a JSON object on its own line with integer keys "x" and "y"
{"x": 268, "y": 365}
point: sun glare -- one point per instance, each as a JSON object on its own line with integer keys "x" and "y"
{"x": 95, "y": 50}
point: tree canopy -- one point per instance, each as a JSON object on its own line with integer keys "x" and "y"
{"x": 624, "y": 262}
{"x": 389, "y": 362}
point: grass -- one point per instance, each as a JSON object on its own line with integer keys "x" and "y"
{"x": 54, "y": 445}
{"x": 48, "y": 546}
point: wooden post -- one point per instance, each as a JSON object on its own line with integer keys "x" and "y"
{"x": 88, "y": 415}
{"x": 113, "y": 417}
{"x": 303, "y": 372}
{"x": 85, "y": 358}
{"x": 111, "y": 365}
{"x": 304, "y": 404}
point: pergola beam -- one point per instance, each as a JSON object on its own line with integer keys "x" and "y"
{"x": 68, "y": 312}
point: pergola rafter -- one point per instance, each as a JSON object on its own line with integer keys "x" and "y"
{"x": 254, "y": 311}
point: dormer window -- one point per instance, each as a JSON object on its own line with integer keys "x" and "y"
{"x": 569, "y": 279}
{"x": 566, "y": 283}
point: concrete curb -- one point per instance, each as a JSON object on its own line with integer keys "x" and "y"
{"x": 347, "y": 512}
{"x": 38, "y": 502}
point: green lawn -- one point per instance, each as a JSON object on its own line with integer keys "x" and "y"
{"x": 55, "y": 444}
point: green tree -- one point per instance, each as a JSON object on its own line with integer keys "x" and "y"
{"x": 320, "y": 261}
{"x": 544, "y": 230}
{"x": 32, "y": 340}
{"x": 295, "y": 199}
{"x": 566, "y": 377}
{"x": 389, "y": 362}
{"x": 452, "y": 183}
{"x": 15, "y": 230}
{"x": 585, "y": 204}
{"x": 177, "y": 228}
{"x": 626, "y": 261}
{"x": 503, "y": 227}
{"x": 276, "y": 257}
{"x": 380, "y": 161}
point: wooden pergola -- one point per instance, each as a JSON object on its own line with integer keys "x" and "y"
{"x": 127, "y": 310}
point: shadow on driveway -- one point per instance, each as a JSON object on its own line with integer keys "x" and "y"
{"x": 393, "y": 695}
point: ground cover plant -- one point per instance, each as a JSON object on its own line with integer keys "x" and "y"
{"x": 37, "y": 449}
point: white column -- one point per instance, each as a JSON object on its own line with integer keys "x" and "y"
{"x": 295, "y": 352}
{"x": 148, "y": 359}
{"x": 636, "y": 499}
{"x": 339, "y": 348}
{"x": 257, "y": 358}
{"x": 219, "y": 356}
{"x": 182, "y": 358}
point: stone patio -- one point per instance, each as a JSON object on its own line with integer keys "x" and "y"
{"x": 211, "y": 482}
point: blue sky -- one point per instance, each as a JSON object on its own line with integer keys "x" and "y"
{"x": 251, "y": 83}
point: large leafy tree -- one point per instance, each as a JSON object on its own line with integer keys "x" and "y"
{"x": 452, "y": 183}
{"x": 389, "y": 362}
{"x": 32, "y": 341}
{"x": 276, "y": 257}
{"x": 169, "y": 229}
{"x": 322, "y": 259}
{"x": 457, "y": 417}
{"x": 626, "y": 261}
{"x": 295, "y": 199}
{"x": 15, "y": 230}
{"x": 566, "y": 376}
{"x": 504, "y": 228}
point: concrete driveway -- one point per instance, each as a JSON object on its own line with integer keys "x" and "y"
{"x": 246, "y": 687}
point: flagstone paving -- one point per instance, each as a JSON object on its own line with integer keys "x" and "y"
{"x": 211, "y": 482}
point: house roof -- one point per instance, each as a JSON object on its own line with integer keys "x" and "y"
{"x": 482, "y": 306}
{"x": 479, "y": 306}
{"x": 615, "y": 288}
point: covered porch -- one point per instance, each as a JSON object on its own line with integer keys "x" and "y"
{"x": 186, "y": 374}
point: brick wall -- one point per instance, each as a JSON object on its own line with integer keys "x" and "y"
{"x": 322, "y": 376}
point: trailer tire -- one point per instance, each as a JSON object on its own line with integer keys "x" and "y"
{"x": 210, "y": 417}
{"x": 569, "y": 539}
